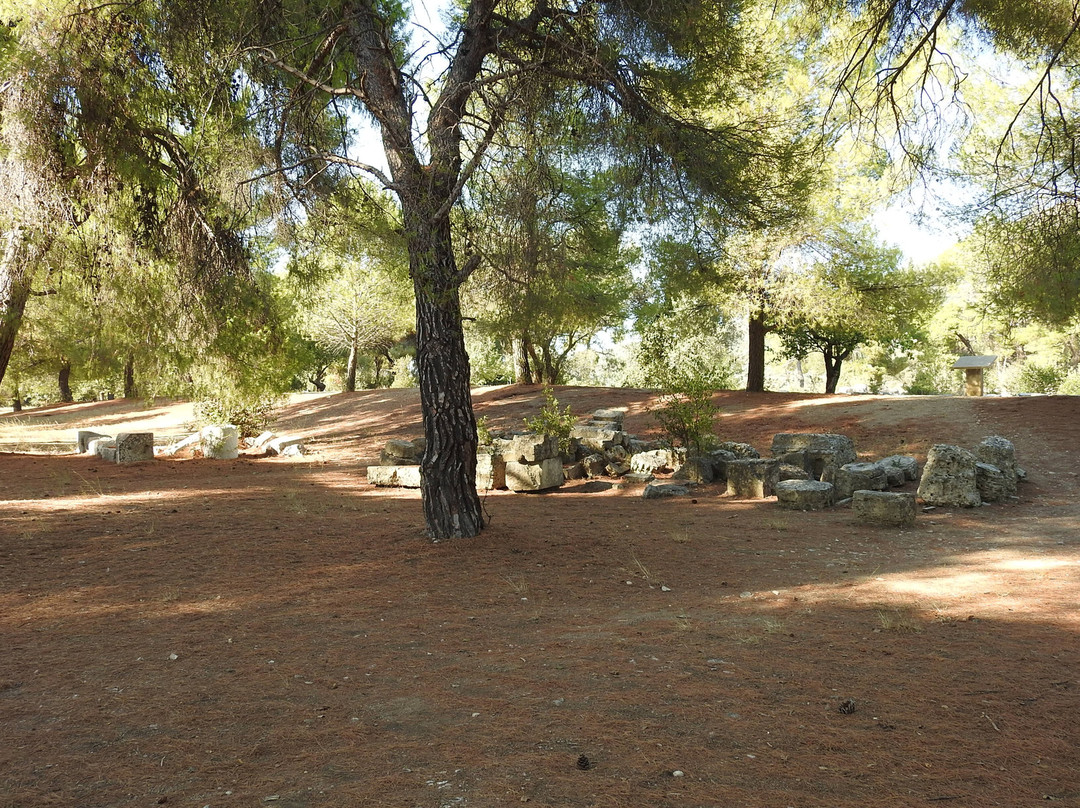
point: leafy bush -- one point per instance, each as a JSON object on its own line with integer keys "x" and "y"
{"x": 685, "y": 412}
{"x": 1070, "y": 386}
{"x": 250, "y": 415}
{"x": 1034, "y": 378}
{"x": 553, "y": 421}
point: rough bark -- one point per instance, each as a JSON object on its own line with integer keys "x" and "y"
{"x": 833, "y": 365}
{"x": 755, "y": 362}
{"x": 63, "y": 381}
{"x": 130, "y": 391}
{"x": 350, "y": 370}
{"x": 14, "y": 292}
{"x": 452, "y": 507}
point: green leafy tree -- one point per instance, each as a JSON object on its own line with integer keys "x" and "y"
{"x": 856, "y": 294}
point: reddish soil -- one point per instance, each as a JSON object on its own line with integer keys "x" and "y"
{"x": 278, "y": 632}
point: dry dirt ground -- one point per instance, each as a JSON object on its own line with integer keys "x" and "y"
{"x": 276, "y": 632}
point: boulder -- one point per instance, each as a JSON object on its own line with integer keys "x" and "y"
{"x": 853, "y": 477}
{"x": 595, "y": 465}
{"x": 638, "y": 478}
{"x": 490, "y": 471}
{"x": 949, "y": 477}
{"x": 908, "y": 465}
{"x": 992, "y": 483}
{"x": 1000, "y": 452}
{"x": 894, "y": 509}
{"x": 574, "y": 471}
{"x": 661, "y": 490}
{"x": 83, "y": 438}
{"x": 616, "y": 469}
{"x": 134, "y": 447}
{"x": 803, "y": 495}
{"x": 816, "y": 452}
{"x": 651, "y": 462}
{"x": 220, "y": 442}
{"x": 752, "y": 478}
{"x": 394, "y": 476}
{"x": 534, "y": 476}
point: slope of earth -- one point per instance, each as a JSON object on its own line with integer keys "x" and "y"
{"x": 269, "y": 631}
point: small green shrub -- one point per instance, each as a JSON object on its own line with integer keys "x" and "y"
{"x": 250, "y": 415}
{"x": 553, "y": 421}
{"x": 1034, "y": 378}
{"x": 483, "y": 431}
{"x": 686, "y": 414}
{"x": 1070, "y": 386}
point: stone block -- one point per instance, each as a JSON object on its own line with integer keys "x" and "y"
{"x": 661, "y": 490}
{"x": 598, "y": 439}
{"x": 83, "y": 438}
{"x": 819, "y": 451}
{"x": 260, "y": 441}
{"x": 574, "y": 471}
{"x": 105, "y": 448}
{"x": 742, "y": 451}
{"x": 853, "y": 477}
{"x": 804, "y": 495}
{"x": 490, "y": 471}
{"x": 220, "y": 442}
{"x": 991, "y": 483}
{"x": 278, "y": 446}
{"x": 529, "y": 448}
{"x": 908, "y": 465}
{"x": 615, "y": 469}
{"x": 752, "y": 478}
{"x": 534, "y": 476}
{"x": 134, "y": 447}
{"x": 399, "y": 453}
{"x": 651, "y": 462}
{"x": 595, "y": 465}
{"x": 638, "y": 478}
{"x": 949, "y": 477}
{"x": 793, "y": 472}
{"x": 1000, "y": 453}
{"x": 609, "y": 415}
{"x": 394, "y": 476}
{"x": 719, "y": 459}
{"x": 696, "y": 470}
{"x": 894, "y": 509}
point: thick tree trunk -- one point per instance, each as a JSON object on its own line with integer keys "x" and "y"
{"x": 832, "y": 370}
{"x": 522, "y": 370}
{"x": 130, "y": 391}
{"x": 63, "y": 381}
{"x": 452, "y": 507}
{"x": 755, "y": 359}
{"x": 14, "y": 292}
{"x": 350, "y": 370}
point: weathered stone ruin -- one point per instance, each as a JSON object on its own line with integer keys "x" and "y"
{"x": 949, "y": 477}
{"x": 956, "y": 477}
{"x": 892, "y": 509}
{"x": 804, "y": 495}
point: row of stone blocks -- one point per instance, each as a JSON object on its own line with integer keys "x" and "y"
{"x": 126, "y": 447}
